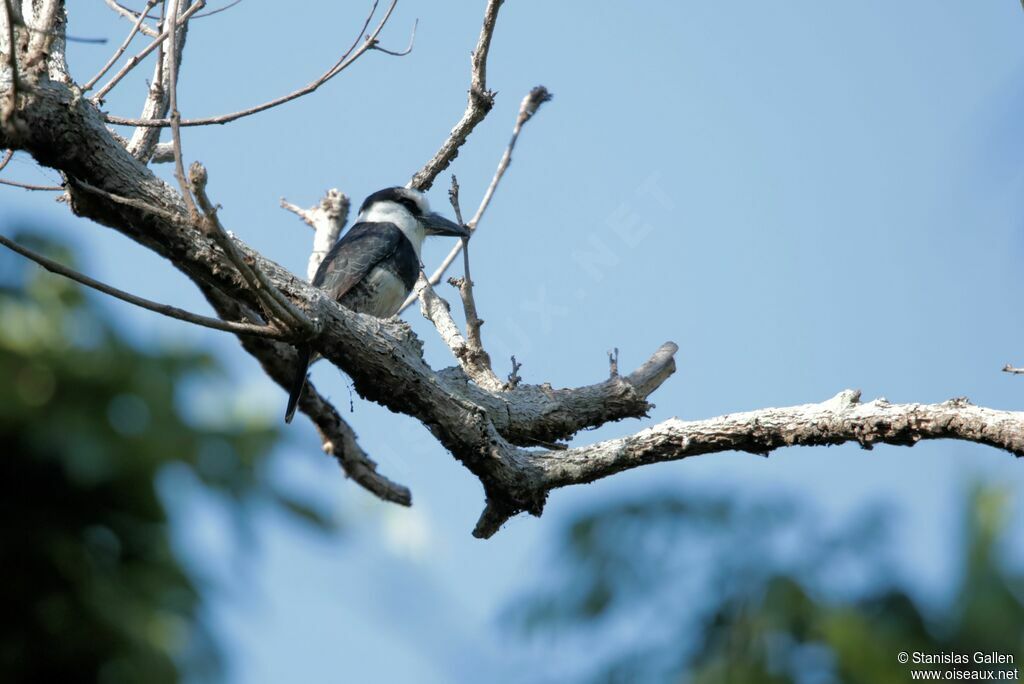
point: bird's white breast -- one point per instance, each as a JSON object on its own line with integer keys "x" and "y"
{"x": 388, "y": 293}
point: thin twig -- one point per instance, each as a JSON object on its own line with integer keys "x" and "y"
{"x": 131, "y": 15}
{"x": 134, "y": 61}
{"x": 179, "y": 166}
{"x": 120, "y": 50}
{"x": 225, "y": 8}
{"x": 401, "y": 53}
{"x": 276, "y": 305}
{"x": 30, "y": 186}
{"x": 8, "y": 155}
{"x": 343, "y": 63}
{"x": 474, "y": 343}
{"x": 527, "y": 108}
{"x": 480, "y": 101}
{"x": 164, "y": 309}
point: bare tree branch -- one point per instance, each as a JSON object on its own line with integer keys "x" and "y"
{"x": 163, "y": 309}
{"x": 527, "y": 108}
{"x": 162, "y": 152}
{"x": 225, "y": 8}
{"x": 30, "y": 186}
{"x": 179, "y": 166}
{"x": 278, "y": 307}
{"x": 141, "y": 55}
{"x": 480, "y": 102}
{"x": 407, "y": 50}
{"x": 339, "y": 440}
{"x": 836, "y": 421}
{"x": 132, "y": 16}
{"x": 343, "y": 63}
{"x": 144, "y": 141}
{"x": 128, "y": 13}
{"x": 136, "y": 27}
{"x": 841, "y": 419}
{"x": 472, "y": 353}
{"x": 438, "y": 311}
{"x": 327, "y": 219}
{"x": 147, "y": 208}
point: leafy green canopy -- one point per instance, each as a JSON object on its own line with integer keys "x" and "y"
{"x": 701, "y": 589}
{"x": 91, "y": 588}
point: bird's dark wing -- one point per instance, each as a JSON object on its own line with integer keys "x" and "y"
{"x": 353, "y": 256}
{"x": 351, "y": 259}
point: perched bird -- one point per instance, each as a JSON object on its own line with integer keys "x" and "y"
{"x": 373, "y": 267}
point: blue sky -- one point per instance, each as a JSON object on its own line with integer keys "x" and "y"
{"x": 804, "y": 196}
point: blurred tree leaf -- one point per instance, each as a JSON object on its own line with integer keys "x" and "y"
{"x": 701, "y": 589}
{"x": 92, "y": 589}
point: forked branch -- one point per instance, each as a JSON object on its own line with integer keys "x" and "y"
{"x": 327, "y": 219}
{"x": 527, "y": 108}
{"x": 479, "y": 103}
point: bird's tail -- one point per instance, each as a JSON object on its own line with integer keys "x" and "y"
{"x": 305, "y": 351}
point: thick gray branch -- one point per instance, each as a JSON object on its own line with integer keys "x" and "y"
{"x": 839, "y": 420}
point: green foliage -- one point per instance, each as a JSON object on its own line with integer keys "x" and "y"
{"x": 704, "y": 590}
{"x": 92, "y": 590}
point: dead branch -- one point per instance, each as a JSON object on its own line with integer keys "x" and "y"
{"x": 479, "y": 103}
{"x": 30, "y": 186}
{"x": 132, "y": 16}
{"x": 527, "y": 108}
{"x": 157, "y": 42}
{"x": 338, "y": 438}
{"x": 327, "y": 219}
{"x": 343, "y": 63}
{"x": 163, "y": 309}
{"x": 179, "y": 167}
{"x": 136, "y": 27}
{"x": 277, "y": 307}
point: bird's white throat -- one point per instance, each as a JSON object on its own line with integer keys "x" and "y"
{"x": 392, "y": 212}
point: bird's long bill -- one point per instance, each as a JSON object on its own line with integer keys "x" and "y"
{"x": 435, "y": 224}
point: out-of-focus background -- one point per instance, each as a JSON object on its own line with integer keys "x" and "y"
{"x": 804, "y": 196}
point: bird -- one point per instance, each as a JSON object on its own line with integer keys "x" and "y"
{"x": 373, "y": 267}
